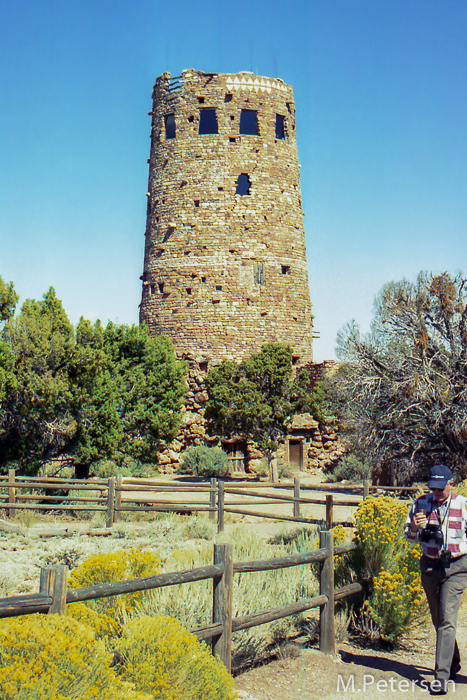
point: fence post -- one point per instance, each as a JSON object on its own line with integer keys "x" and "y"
{"x": 329, "y": 512}
{"x": 327, "y": 643}
{"x": 118, "y": 497}
{"x": 273, "y": 466}
{"x": 53, "y": 583}
{"x": 220, "y": 506}
{"x": 222, "y": 603}
{"x": 366, "y": 488}
{"x": 110, "y": 502}
{"x": 296, "y": 495}
{"x": 11, "y": 492}
{"x": 212, "y": 500}
{"x": 46, "y": 580}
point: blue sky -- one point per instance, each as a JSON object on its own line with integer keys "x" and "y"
{"x": 381, "y": 97}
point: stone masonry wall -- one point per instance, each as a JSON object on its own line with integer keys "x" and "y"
{"x": 225, "y": 262}
{"x": 321, "y": 443}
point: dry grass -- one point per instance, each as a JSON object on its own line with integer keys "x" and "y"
{"x": 181, "y": 543}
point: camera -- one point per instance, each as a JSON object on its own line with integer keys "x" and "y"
{"x": 432, "y": 533}
{"x": 446, "y": 559}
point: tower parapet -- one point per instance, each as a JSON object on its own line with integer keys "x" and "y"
{"x": 225, "y": 262}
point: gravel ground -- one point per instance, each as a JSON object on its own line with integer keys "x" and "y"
{"x": 354, "y": 673}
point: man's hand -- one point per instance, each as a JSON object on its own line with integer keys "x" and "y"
{"x": 418, "y": 520}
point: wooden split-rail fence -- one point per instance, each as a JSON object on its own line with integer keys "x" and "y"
{"x": 53, "y": 594}
{"x": 116, "y": 495}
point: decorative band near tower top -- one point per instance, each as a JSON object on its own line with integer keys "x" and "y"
{"x": 225, "y": 262}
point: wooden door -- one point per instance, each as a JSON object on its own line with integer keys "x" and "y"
{"x": 296, "y": 455}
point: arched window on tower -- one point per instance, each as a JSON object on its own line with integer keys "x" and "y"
{"x": 249, "y": 122}
{"x": 243, "y": 184}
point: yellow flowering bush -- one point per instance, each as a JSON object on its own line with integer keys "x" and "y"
{"x": 104, "y": 568}
{"x": 47, "y": 656}
{"x": 397, "y": 598}
{"x": 379, "y": 526}
{"x": 104, "y": 626}
{"x": 396, "y": 602}
{"x": 341, "y": 570}
{"x": 161, "y": 658}
{"x": 461, "y": 488}
{"x": 340, "y": 562}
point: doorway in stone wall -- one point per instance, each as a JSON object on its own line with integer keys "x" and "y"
{"x": 296, "y": 455}
{"x": 236, "y": 452}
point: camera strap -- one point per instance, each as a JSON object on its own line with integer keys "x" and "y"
{"x": 444, "y": 521}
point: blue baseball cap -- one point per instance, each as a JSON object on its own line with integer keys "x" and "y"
{"x": 440, "y": 474}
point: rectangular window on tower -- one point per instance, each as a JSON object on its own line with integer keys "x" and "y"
{"x": 259, "y": 274}
{"x": 208, "y": 122}
{"x": 169, "y": 126}
{"x": 280, "y": 126}
{"x": 249, "y": 122}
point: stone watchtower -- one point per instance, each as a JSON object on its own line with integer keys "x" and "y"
{"x": 225, "y": 263}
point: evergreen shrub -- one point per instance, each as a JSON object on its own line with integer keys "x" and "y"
{"x": 351, "y": 467}
{"x": 205, "y": 461}
{"x": 105, "y": 468}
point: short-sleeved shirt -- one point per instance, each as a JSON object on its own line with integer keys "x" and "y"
{"x": 450, "y": 517}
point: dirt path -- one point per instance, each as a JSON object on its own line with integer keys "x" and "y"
{"x": 353, "y": 673}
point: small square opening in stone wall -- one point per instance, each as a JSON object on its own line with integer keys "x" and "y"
{"x": 218, "y": 288}
{"x": 201, "y": 100}
{"x": 249, "y": 122}
{"x": 285, "y": 269}
{"x": 161, "y": 287}
{"x": 208, "y": 122}
{"x": 196, "y": 202}
{"x": 203, "y": 366}
{"x": 228, "y": 97}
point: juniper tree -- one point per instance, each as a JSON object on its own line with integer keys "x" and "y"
{"x": 88, "y": 393}
{"x": 256, "y": 399}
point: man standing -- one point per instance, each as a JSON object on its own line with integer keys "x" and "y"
{"x": 438, "y": 521}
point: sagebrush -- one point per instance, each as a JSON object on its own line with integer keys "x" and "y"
{"x": 204, "y": 461}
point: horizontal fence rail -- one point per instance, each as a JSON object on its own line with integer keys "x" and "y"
{"x": 53, "y": 595}
{"x": 116, "y": 495}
